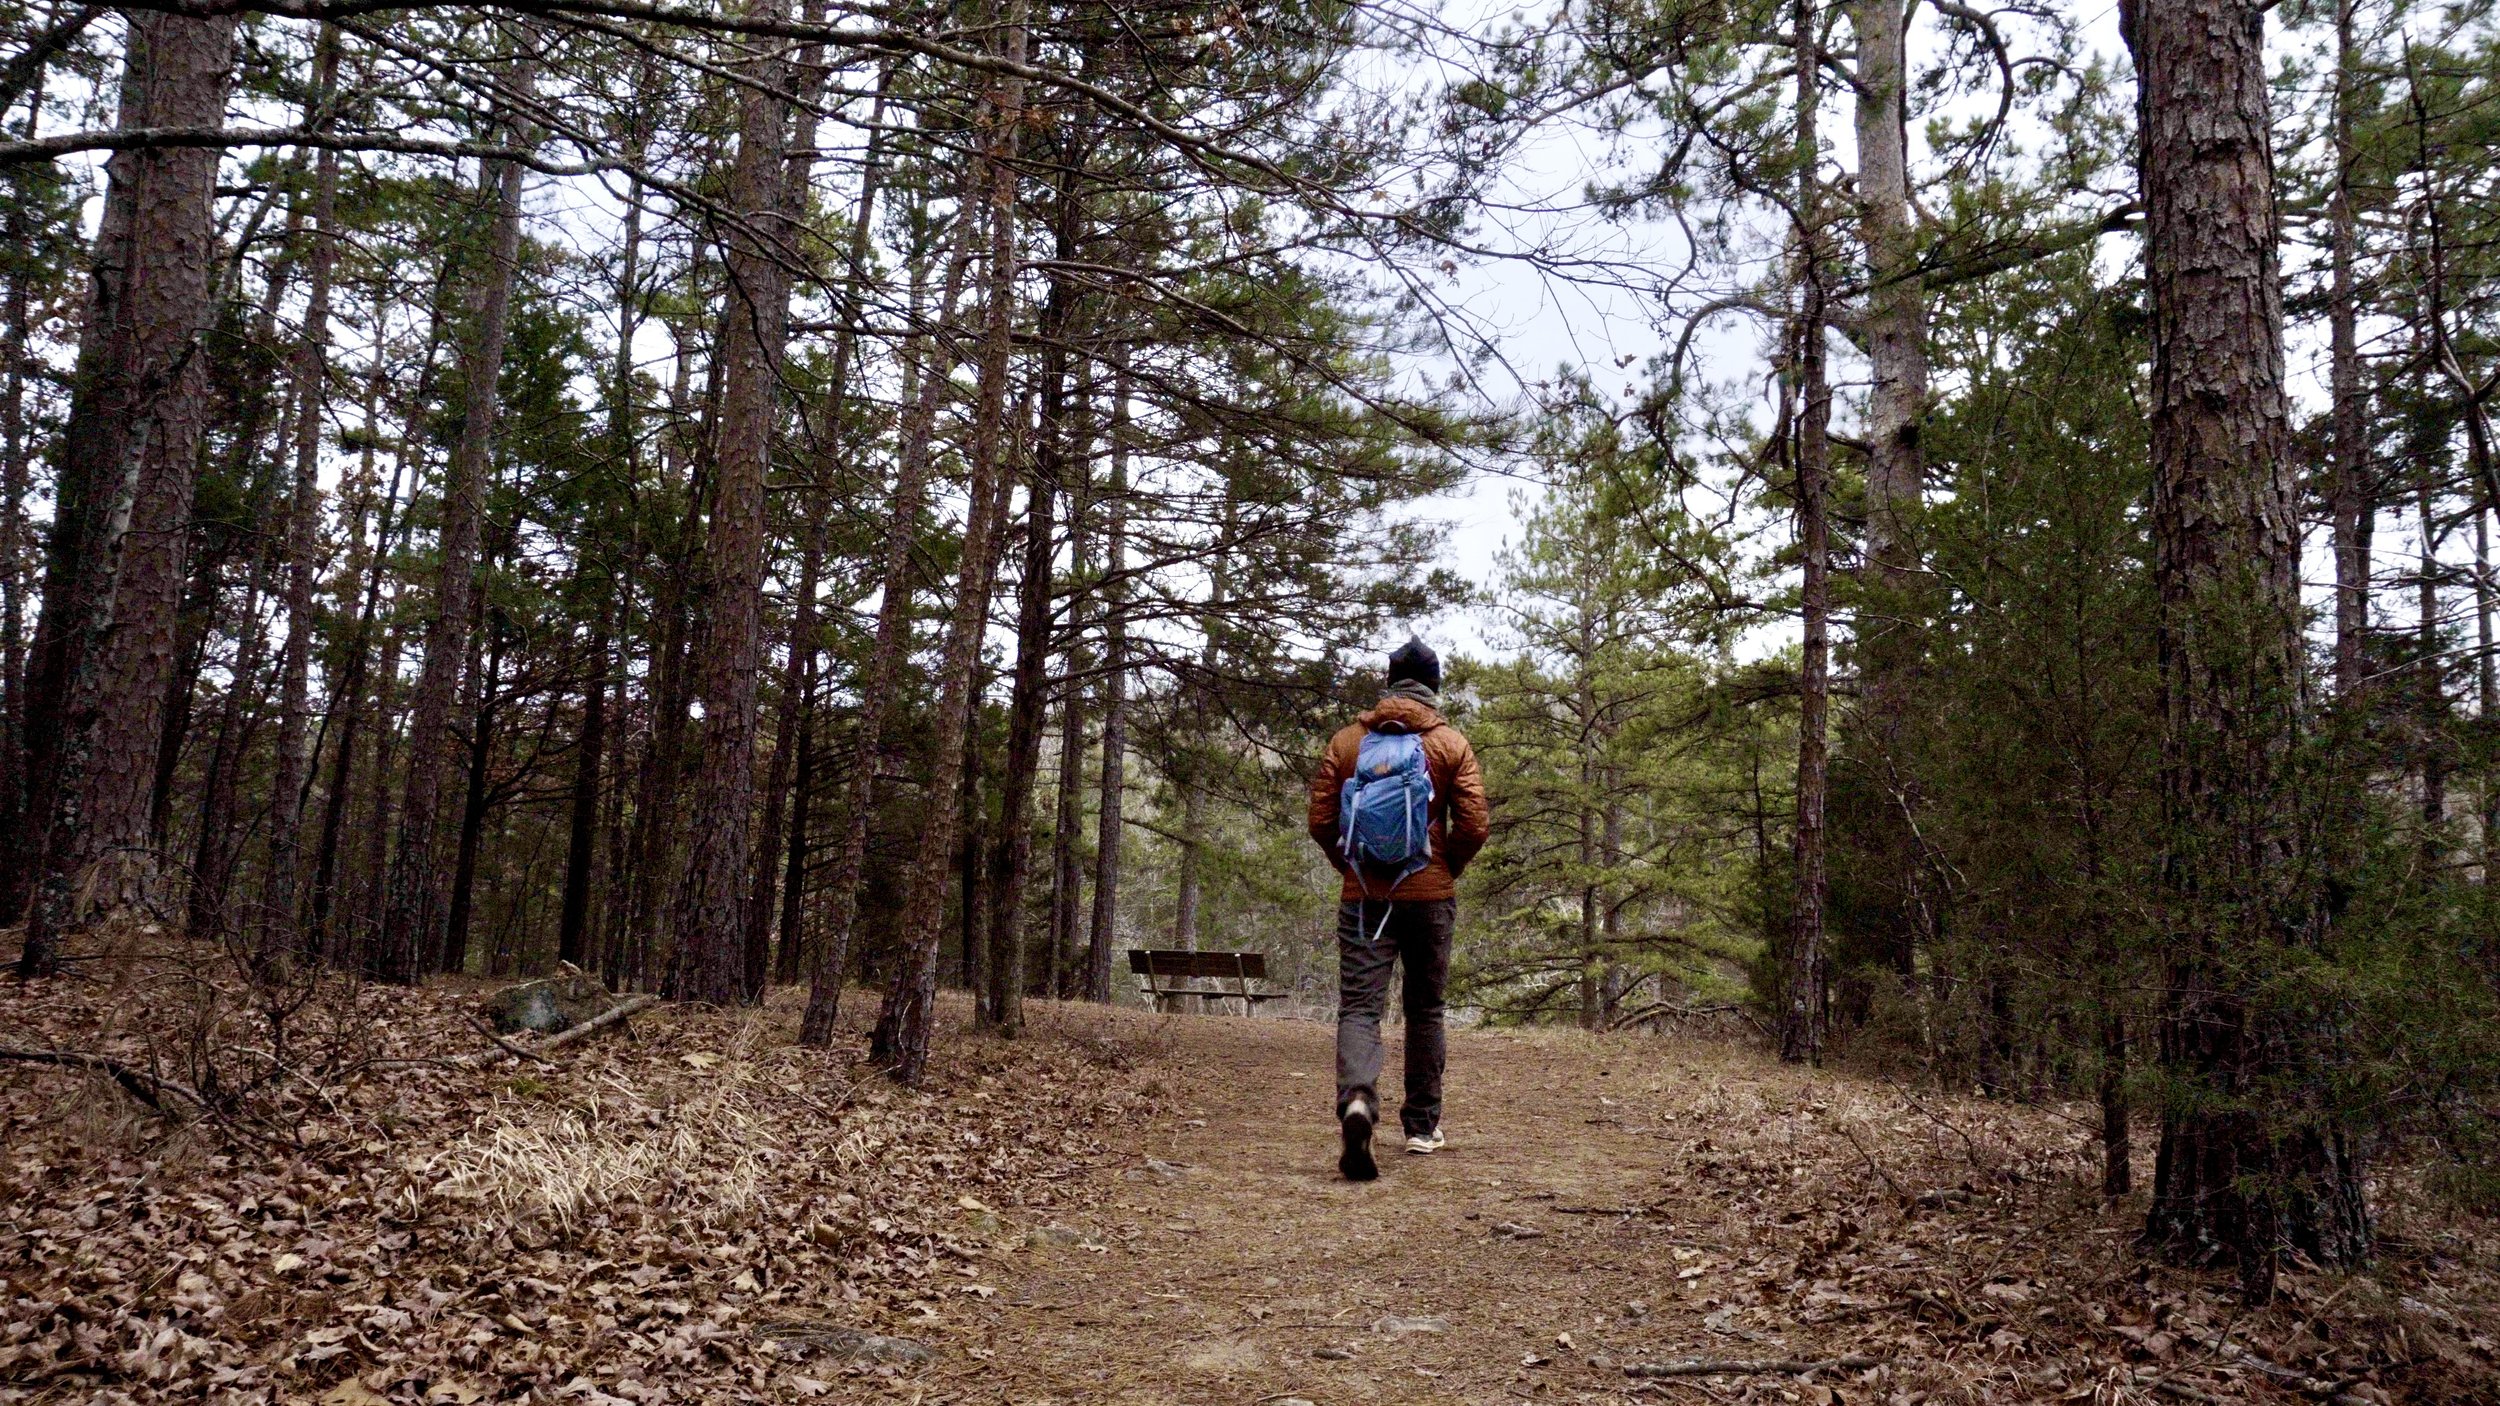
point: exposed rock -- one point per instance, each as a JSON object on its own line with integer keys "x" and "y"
{"x": 1391, "y": 1325}
{"x": 548, "y": 1005}
{"x": 851, "y": 1343}
{"x": 1061, "y": 1237}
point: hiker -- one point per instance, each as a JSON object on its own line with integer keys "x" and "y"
{"x": 1398, "y": 807}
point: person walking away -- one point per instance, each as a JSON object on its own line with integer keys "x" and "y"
{"x": 1398, "y": 807}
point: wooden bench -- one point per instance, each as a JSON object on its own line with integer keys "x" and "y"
{"x": 1170, "y": 977}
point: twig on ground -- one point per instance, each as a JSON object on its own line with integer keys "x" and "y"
{"x": 1970, "y": 1145}
{"x": 1779, "y": 1367}
{"x": 1871, "y": 1164}
{"x": 505, "y": 1045}
{"x": 138, "y": 1083}
{"x": 1666, "y": 1011}
{"x": 611, "y": 1016}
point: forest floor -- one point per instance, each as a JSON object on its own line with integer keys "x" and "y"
{"x": 1122, "y": 1209}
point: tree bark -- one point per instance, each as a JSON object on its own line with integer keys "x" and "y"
{"x": 904, "y": 1026}
{"x": 793, "y": 941}
{"x": 349, "y": 692}
{"x": 1896, "y": 312}
{"x": 831, "y": 960}
{"x": 1028, "y": 702}
{"x": 2430, "y": 694}
{"x": 275, "y": 923}
{"x": 2487, "y": 688}
{"x": 1067, "y": 865}
{"x": 582, "y": 928}
{"x": 793, "y": 725}
{"x": 2353, "y": 495}
{"x": 581, "y": 850}
{"x": 208, "y": 910}
{"x": 2238, "y": 1172}
{"x": 1806, "y": 1014}
{"x": 1191, "y": 780}
{"x": 1886, "y": 640}
{"x": 485, "y": 669}
{"x": 653, "y": 841}
{"x": 412, "y": 913}
{"x": 1584, "y": 704}
{"x": 1108, "y": 833}
{"x": 128, "y": 468}
{"x": 972, "y": 865}
{"x": 708, "y": 962}
{"x": 15, "y": 453}
{"x": 217, "y": 845}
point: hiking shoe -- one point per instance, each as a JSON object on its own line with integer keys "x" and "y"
{"x": 1423, "y": 1144}
{"x": 1356, "y": 1161}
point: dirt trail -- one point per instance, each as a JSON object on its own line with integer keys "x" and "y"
{"x": 1229, "y": 1263}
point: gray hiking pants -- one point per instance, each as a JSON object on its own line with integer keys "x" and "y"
{"x": 1371, "y": 938}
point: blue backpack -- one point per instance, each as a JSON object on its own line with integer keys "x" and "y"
{"x": 1384, "y": 811}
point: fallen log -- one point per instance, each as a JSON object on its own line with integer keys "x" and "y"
{"x": 499, "y": 1042}
{"x": 1774, "y": 1368}
{"x": 611, "y": 1016}
{"x": 138, "y": 1083}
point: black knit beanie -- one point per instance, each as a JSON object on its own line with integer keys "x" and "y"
{"x": 1415, "y": 660}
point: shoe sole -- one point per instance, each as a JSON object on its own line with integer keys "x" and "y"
{"x": 1356, "y": 1161}
{"x": 1422, "y": 1151}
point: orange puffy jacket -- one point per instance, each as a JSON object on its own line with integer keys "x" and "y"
{"x": 1460, "y": 820}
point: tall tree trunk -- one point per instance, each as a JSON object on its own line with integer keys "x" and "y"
{"x": 581, "y": 851}
{"x": 1610, "y": 918}
{"x": 1887, "y": 645}
{"x": 1028, "y": 702}
{"x": 370, "y": 894}
{"x": 971, "y": 868}
{"x": 1896, "y": 313}
{"x": 793, "y": 940}
{"x": 122, "y": 507}
{"x": 485, "y": 668}
{"x": 2239, "y": 1171}
{"x": 1067, "y": 882}
{"x": 1109, "y": 819}
{"x": 588, "y": 920}
{"x": 1591, "y": 897}
{"x": 276, "y": 921}
{"x": 1806, "y": 1015}
{"x": 904, "y": 1026}
{"x": 830, "y": 962}
{"x": 350, "y": 690}
{"x": 208, "y": 911}
{"x": 793, "y": 725}
{"x": 1067, "y": 887}
{"x": 708, "y": 963}
{"x": 655, "y": 825}
{"x": 1012, "y": 856}
{"x": 2352, "y": 499}
{"x": 2430, "y": 693}
{"x": 2487, "y": 688}
{"x": 16, "y": 449}
{"x": 412, "y": 912}
{"x": 195, "y": 628}
{"x": 218, "y": 844}
{"x": 613, "y": 950}
{"x": 1192, "y": 782}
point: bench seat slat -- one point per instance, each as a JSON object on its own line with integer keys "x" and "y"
{"x": 1188, "y": 965}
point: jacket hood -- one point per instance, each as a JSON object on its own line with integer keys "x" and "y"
{"x": 1394, "y": 714}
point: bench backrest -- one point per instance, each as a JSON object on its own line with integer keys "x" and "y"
{"x": 1188, "y": 965}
